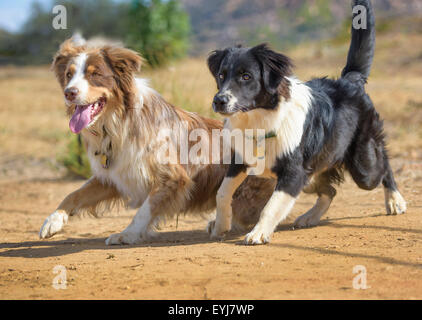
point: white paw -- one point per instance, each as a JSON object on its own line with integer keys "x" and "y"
{"x": 257, "y": 236}
{"x": 214, "y": 232}
{"x": 53, "y": 224}
{"x": 124, "y": 237}
{"x": 395, "y": 203}
{"x": 306, "y": 220}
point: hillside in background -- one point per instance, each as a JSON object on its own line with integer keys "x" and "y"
{"x": 163, "y": 30}
{"x": 221, "y": 23}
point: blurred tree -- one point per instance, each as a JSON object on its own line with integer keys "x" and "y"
{"x": 159, "y": 29}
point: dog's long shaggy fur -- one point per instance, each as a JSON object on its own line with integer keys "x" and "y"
{"x": 119, "y": 118}
{"x": 319, "y": 129}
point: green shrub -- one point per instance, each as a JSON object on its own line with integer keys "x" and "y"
{"x": 159, "y": 29}
{"x": 74, "y": 158}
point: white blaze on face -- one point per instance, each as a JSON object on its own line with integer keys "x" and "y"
{"x": 78, "y": 80}
{"x": 232, "y": 100}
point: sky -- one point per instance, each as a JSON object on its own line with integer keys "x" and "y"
{"x": 13, "y": 13}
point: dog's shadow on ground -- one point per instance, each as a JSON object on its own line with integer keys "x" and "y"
{"x": 54, "y": 248}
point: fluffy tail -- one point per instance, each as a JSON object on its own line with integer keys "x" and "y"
{"x": 361, "y": 52}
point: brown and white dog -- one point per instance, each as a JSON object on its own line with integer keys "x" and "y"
{"x": 118, "y": 117}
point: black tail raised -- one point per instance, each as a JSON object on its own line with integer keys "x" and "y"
{"x": 361, "y": 52}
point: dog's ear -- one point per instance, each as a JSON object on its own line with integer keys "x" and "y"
{"x": 214, "y": 61}
{"x": 275, "y": 66}
{"x": 123, "y": 61}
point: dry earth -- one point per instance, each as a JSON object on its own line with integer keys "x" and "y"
{"x": 182, "y": 263}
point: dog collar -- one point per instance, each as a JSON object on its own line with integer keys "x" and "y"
{"x": 269, "y": 135}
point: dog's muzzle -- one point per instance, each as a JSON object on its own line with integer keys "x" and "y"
{"x": 220, "y": 104}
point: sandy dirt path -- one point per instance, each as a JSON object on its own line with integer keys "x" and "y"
{"x": 314, "y": 263}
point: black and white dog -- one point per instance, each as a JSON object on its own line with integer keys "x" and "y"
{"x": 315, "y": 130}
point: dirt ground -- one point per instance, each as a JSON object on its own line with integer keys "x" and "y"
{"x": 183, "y": 263}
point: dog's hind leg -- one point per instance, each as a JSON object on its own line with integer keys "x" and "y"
{"x": 369, "y": 164}
{"x": 87, "y": 198}
{"x": 326, "y": 193}
{"x": 138, "y": 228}
{"x": 313, "y": 216}
{"x": 167, "y": 199}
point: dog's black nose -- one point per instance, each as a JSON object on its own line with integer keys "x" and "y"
{"x": 71, "y": 93}
{"x": 220, "y": 103}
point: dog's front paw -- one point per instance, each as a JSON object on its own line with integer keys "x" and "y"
{"x": 53, "y": 224}
{"x": 257, "y": 236}
{"x": 124, "y": 237}
{"x": 216, "y": 233}
{"x": 395, "y": 203}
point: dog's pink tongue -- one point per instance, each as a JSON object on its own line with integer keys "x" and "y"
{"x": 80, "y": 119}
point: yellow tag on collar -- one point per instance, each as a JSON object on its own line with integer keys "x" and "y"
{"x": 260, "y": 151}
{"x": 104, "y": 161}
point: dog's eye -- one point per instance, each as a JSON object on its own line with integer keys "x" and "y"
{"x": 221, "y": 76}
{"x": 69, "y": 75}
{"x": 246, "y": 77}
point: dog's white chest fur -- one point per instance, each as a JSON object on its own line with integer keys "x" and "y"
{"x": 126, "y": 171}
{"x": 286, "y": 121}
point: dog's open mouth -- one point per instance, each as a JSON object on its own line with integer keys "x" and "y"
{"x": 85, "y": 114}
